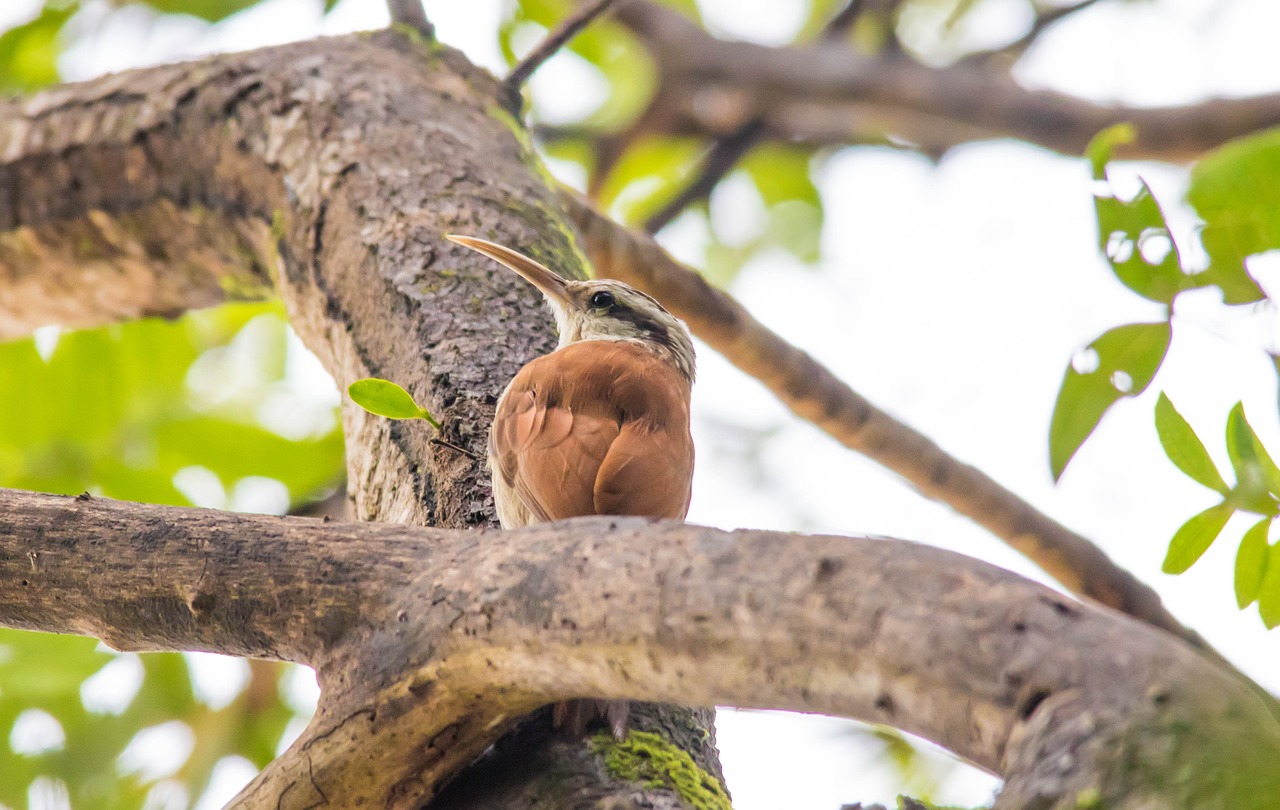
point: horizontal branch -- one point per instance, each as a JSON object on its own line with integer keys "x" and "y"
{"x": 428, "y": 643}
{"x": 814, "y": 393}
{"x": 829, "y": 93}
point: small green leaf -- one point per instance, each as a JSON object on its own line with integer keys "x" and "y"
{"x": 385, "y": 398}
{"x": 207, "y": 10}
{"x": 1247, "y": 459}
{"x": 1269, "y": 593}
{"x": 1251, "y": 563}
{"x": 1136, "y": 240}
{"x": 1184, "y": 448}
{"x": 1103, "y": 145}
{"x": 1234, "y": 192}
{"x": 1194, "y": 538}
{"x": 1127, "y": 359}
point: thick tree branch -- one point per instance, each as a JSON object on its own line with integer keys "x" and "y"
{"x": 813, "y": 392}
{"x": 830, "y": 94}
{"x": 428, "y": 634}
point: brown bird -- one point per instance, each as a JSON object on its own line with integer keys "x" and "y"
{"x": 598, "y": 427}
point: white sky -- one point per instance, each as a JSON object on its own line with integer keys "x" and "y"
{"x": 953, "y": 296}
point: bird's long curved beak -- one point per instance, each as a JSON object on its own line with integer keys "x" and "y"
{"x": 551, "y": 285}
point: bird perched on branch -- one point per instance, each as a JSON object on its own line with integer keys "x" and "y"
{"x": 598, "y": 427}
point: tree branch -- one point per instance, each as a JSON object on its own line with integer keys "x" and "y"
{"x": 814, "y": 393}
{"x": 411, "y": 13}
{"x": 726, "y": 151}
{"x": 423, "y": 635}
{"x": 830, "y": 94}
{"x": 554, "y": 41}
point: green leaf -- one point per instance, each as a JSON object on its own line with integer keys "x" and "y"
{"x": 385, "y": 398}
{"x": 1184, "y": 448}
{"x": 1194, "y": 538}
{"x": 29, "y": 52}
{"x": 648, "y": 175}
{"x": 1233, "y": 189}
{"x": 1127, "y": 359}
{"x": 1247, "y": 455}
{"x": 1136, "y": 240}
{"x": 1269, "y": 593}
{"x": 207, "y": 10}
{"x": 1133, "y": 234}
{"x": 1103, "y": 146}
{"x": 1251, "y": 563}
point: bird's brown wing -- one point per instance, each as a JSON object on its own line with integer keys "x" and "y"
{"x": 646, "y": 472}
{"x": 595, "y": 430}
{"x": 549, "y": 454}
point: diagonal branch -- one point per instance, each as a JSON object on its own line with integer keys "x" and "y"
{"x": 428, "y": 642}
{"x": 813, "y": 392}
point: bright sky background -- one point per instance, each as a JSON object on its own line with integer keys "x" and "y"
{"x": 951, "y": 295}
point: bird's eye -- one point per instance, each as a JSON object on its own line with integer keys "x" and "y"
{"x": 602, "y": 300}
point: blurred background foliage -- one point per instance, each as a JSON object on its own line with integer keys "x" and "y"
{"x": 207, "y": 410}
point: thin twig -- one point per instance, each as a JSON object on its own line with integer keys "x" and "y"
{"x": 411, "y": 14}
{"x": 553, "y": 42}
{"x": 464, "y": 451}
{"x": 726, "y": 151}
{"x": 843, "y": 21}
{"x": 718, "y": 161}
{"x": 1042, "y": 22}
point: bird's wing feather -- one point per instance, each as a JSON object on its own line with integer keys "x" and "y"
{"x": 594, "y": 430}
{"x": 636, "y": 479}
{"x": 550, "y": 455}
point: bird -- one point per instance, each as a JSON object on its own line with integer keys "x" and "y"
{"x": 600, "y": 426}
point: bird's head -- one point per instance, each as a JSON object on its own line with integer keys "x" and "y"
{"x": 598, "y": 310}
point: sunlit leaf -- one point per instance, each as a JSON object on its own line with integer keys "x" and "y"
{"x": 1136, "y": 240}
{"x": 29, "y": 52}
{"x": 208, "y": 10}
{"x": 1184, "y": 448}
{"x": 1119, "y": 363}
{"x": 648, "y": 175}
{"x": 1251, "y": 463}
{"x": 1233, "y": 191}
{"x": 1191, "y": 541}
{"x": 385, "y": 398}
{"x": 1269, "y": 593}
{"x": 1103, "y": 146}
{"x": 1251, "y": 563}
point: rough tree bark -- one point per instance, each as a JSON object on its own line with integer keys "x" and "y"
{"x": 330, "y": 170}
{"x": 428, "y": 642}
